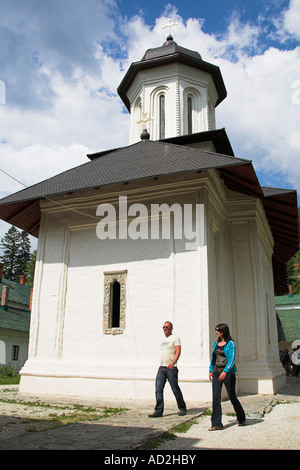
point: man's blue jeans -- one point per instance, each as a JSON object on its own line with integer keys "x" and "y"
{"x": 164, "y": 374}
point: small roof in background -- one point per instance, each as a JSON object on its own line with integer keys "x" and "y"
{"x": 18, "y": 293}
{"x": 288, "y": 324}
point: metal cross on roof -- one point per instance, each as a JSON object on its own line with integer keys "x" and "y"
{"x": 170, "y": 25}
{"x": 144, "y": 120}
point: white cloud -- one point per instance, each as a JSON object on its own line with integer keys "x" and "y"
{"x": 291, "y": 20}
{"x": 259, "y": 111}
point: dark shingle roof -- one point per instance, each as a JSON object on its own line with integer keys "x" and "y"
{"x": 148, "y": 159}
{"x": 170, "y": 47}
{"x": 141, "y": 160}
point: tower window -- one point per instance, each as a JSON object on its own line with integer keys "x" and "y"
{"x": 190, "y": 115}
{"x": 114, "y": 310}
{"x": 193, "y": 111}
{"x": 162, "y": 116}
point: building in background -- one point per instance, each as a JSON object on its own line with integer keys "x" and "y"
{"x": 14, "y": 321}
{"x": 288, "y": 320}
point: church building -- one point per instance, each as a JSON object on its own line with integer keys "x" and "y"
{"x": 173, "y": 227}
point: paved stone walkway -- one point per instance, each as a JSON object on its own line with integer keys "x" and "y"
{"x": 132, "y": 428}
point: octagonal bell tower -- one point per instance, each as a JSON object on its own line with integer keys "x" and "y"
{"x": 171, "y": 92}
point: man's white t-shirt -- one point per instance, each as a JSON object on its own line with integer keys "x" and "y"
{"x": 168, "y": 349}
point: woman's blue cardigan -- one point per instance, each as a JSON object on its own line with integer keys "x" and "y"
{"x": 229, "y": 350}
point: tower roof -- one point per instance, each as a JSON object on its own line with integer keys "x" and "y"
{"x": 170, "y": 47}
{"x": 168, "y": 53}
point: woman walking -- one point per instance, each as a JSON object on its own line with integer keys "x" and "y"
{"x": 222, "y": 369}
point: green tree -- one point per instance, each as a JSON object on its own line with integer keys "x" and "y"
{"x": 30, "y": 269}
{"x": 293, "y": 271}
{"x": 23, "y": 255}
{"x": 16, "y": 253}
{"x": 293, "y": 266}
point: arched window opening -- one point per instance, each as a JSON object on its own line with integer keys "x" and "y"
{"x": 190, "y": 115}
{"x": 193, "y": 111}
{"x": 162, "y": 117}
{"x": 114, "y": 308}
{"x": 115, "y": 304}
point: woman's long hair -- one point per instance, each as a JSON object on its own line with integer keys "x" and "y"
{"x": 223, "y": 328}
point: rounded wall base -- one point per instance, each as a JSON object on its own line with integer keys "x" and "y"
{"x": 102, "y": 389}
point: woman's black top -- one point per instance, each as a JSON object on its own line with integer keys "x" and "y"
{"x": 221, "y": 360}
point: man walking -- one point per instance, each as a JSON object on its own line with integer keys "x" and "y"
{"x": 170, "y": 352}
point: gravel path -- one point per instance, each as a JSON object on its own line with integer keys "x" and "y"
{"x": 272, "y": 423}
{"x": 277, "y": 430}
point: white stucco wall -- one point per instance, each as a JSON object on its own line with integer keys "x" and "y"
{"x": 225, "y": 279}
{"x": 240, "y": 247}
{"x": 164, "y": 282}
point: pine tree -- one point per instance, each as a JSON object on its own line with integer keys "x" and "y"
{"x": 16, "y": 253}
{"x": 293, "y": 266}
{"x": 30, "y": 269}
{"x": 23, "y": 254}
{"x": 293, "y": 270}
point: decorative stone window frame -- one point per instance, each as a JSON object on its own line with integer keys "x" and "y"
{"x": 109, "y": 278}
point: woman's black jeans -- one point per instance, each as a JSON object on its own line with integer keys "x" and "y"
{"x": 229, "y": 382}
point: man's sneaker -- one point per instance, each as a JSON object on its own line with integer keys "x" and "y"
{"x": 182, "y": 413}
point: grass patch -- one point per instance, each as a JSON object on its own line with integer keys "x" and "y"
{"x": 184, "y": 427}
{"x": 8, "y": 376}
{"x": 4, "y": 380}
{"x": 166, "y": 436}
{"x": 65, "y": 414}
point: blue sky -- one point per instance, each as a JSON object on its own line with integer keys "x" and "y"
{"x": 62, "y": 61}
{"x": 216, "y": 14}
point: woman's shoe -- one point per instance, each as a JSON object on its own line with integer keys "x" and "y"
{"x": 243, "y": 423}
{"x": 216, "y": 428}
